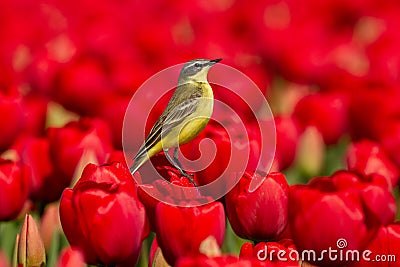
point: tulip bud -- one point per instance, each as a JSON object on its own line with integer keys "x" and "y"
{"x": 88, "y": 156}
{"x": 156, "y": 257}
{"x": 284, "y": 100}
{"x": 159, "y": 260}
{"x": 58, "y": 116}
{"x": 50, "y": 224}
{"x": 310, "y": 151}
{"x": 210, "y": 247}
{"x": 31, "y": 251}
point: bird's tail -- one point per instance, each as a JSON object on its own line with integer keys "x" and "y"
{"x": 138, "y": 162}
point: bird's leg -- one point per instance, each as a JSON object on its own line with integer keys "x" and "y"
{"x": 176, "y": 160}
{"x": 183, "y": 172}
{"x": 178, "y": 165}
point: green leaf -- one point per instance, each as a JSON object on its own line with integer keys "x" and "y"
{"x": 232, "y": 243}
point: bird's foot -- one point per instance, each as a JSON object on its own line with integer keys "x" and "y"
{"x": 189, "y": 176}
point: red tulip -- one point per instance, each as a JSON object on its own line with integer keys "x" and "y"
{"x": 113, "y": 111}
{"x": 260, "y": 214}
{"x": 237, "y": 96}
{"x": 69, "y": 143}
{"x": 35, "y": 112}
{"x": 358, "y": 208}
{"x": 373, "y": 190}
{"x": 287, "y": 136}
{"x": 203, "y": 261}
{"x": 227, "y": 260}
{"x": 117, "y": 156}
{"x": 391, "y": 142}
{"x": 153, "y": 189}
{"x": 220, "y": 142}
{"x": 327, "y": 112}
{"x": 70, "y": 257}
{"x": 41, "y": 73}
{"x": 383, "y": 51}
{"x": 160, "y": 190}
{"x": 254, "y": 138}
{"x": 328, "y": 37}
{"x": 181, "y": 230}
{"x": 282, "y": 253}
{"x": 46, "y": 184}
{"x": 14, "y": 189}
{"x": 153, "y": 250}
{"x": 82, "y": 84}
{"x": 368, "y": 123}
{"x": 164, "y": 169}
{"x": 221, "y": 138}
{"x": 383, "y": 250}
{"x": 11, "y": 121}
{"x": 367, "y": 157}
{"x": 103, "y": 217}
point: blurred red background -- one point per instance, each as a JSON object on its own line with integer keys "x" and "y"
{"x": 329, "y": 69}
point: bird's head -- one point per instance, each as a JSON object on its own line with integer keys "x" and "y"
{"x": 196, "y": 70}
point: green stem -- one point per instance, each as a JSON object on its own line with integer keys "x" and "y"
{"x": 8, "y": 232}
{"x": 54, "y": 249}
{"x": 144, "y": 254}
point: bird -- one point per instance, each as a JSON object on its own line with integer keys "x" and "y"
{"x": 186, "y": 115}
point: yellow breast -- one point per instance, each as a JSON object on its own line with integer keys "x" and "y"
{"x": 195, "y": 122}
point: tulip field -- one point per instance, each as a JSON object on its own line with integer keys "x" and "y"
{"x": 314, "y": 184}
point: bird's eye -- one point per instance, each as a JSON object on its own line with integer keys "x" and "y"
{"x": 197, "y": 65}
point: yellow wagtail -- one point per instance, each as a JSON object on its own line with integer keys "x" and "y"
{"x": 185, "y": 116}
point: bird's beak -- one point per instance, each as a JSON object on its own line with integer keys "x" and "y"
{"x": 212, "y": 62}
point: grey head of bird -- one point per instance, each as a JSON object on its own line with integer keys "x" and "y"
{"x": 196, "y": 70}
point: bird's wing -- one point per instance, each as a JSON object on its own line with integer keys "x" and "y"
{"x": 171, "y": 117}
